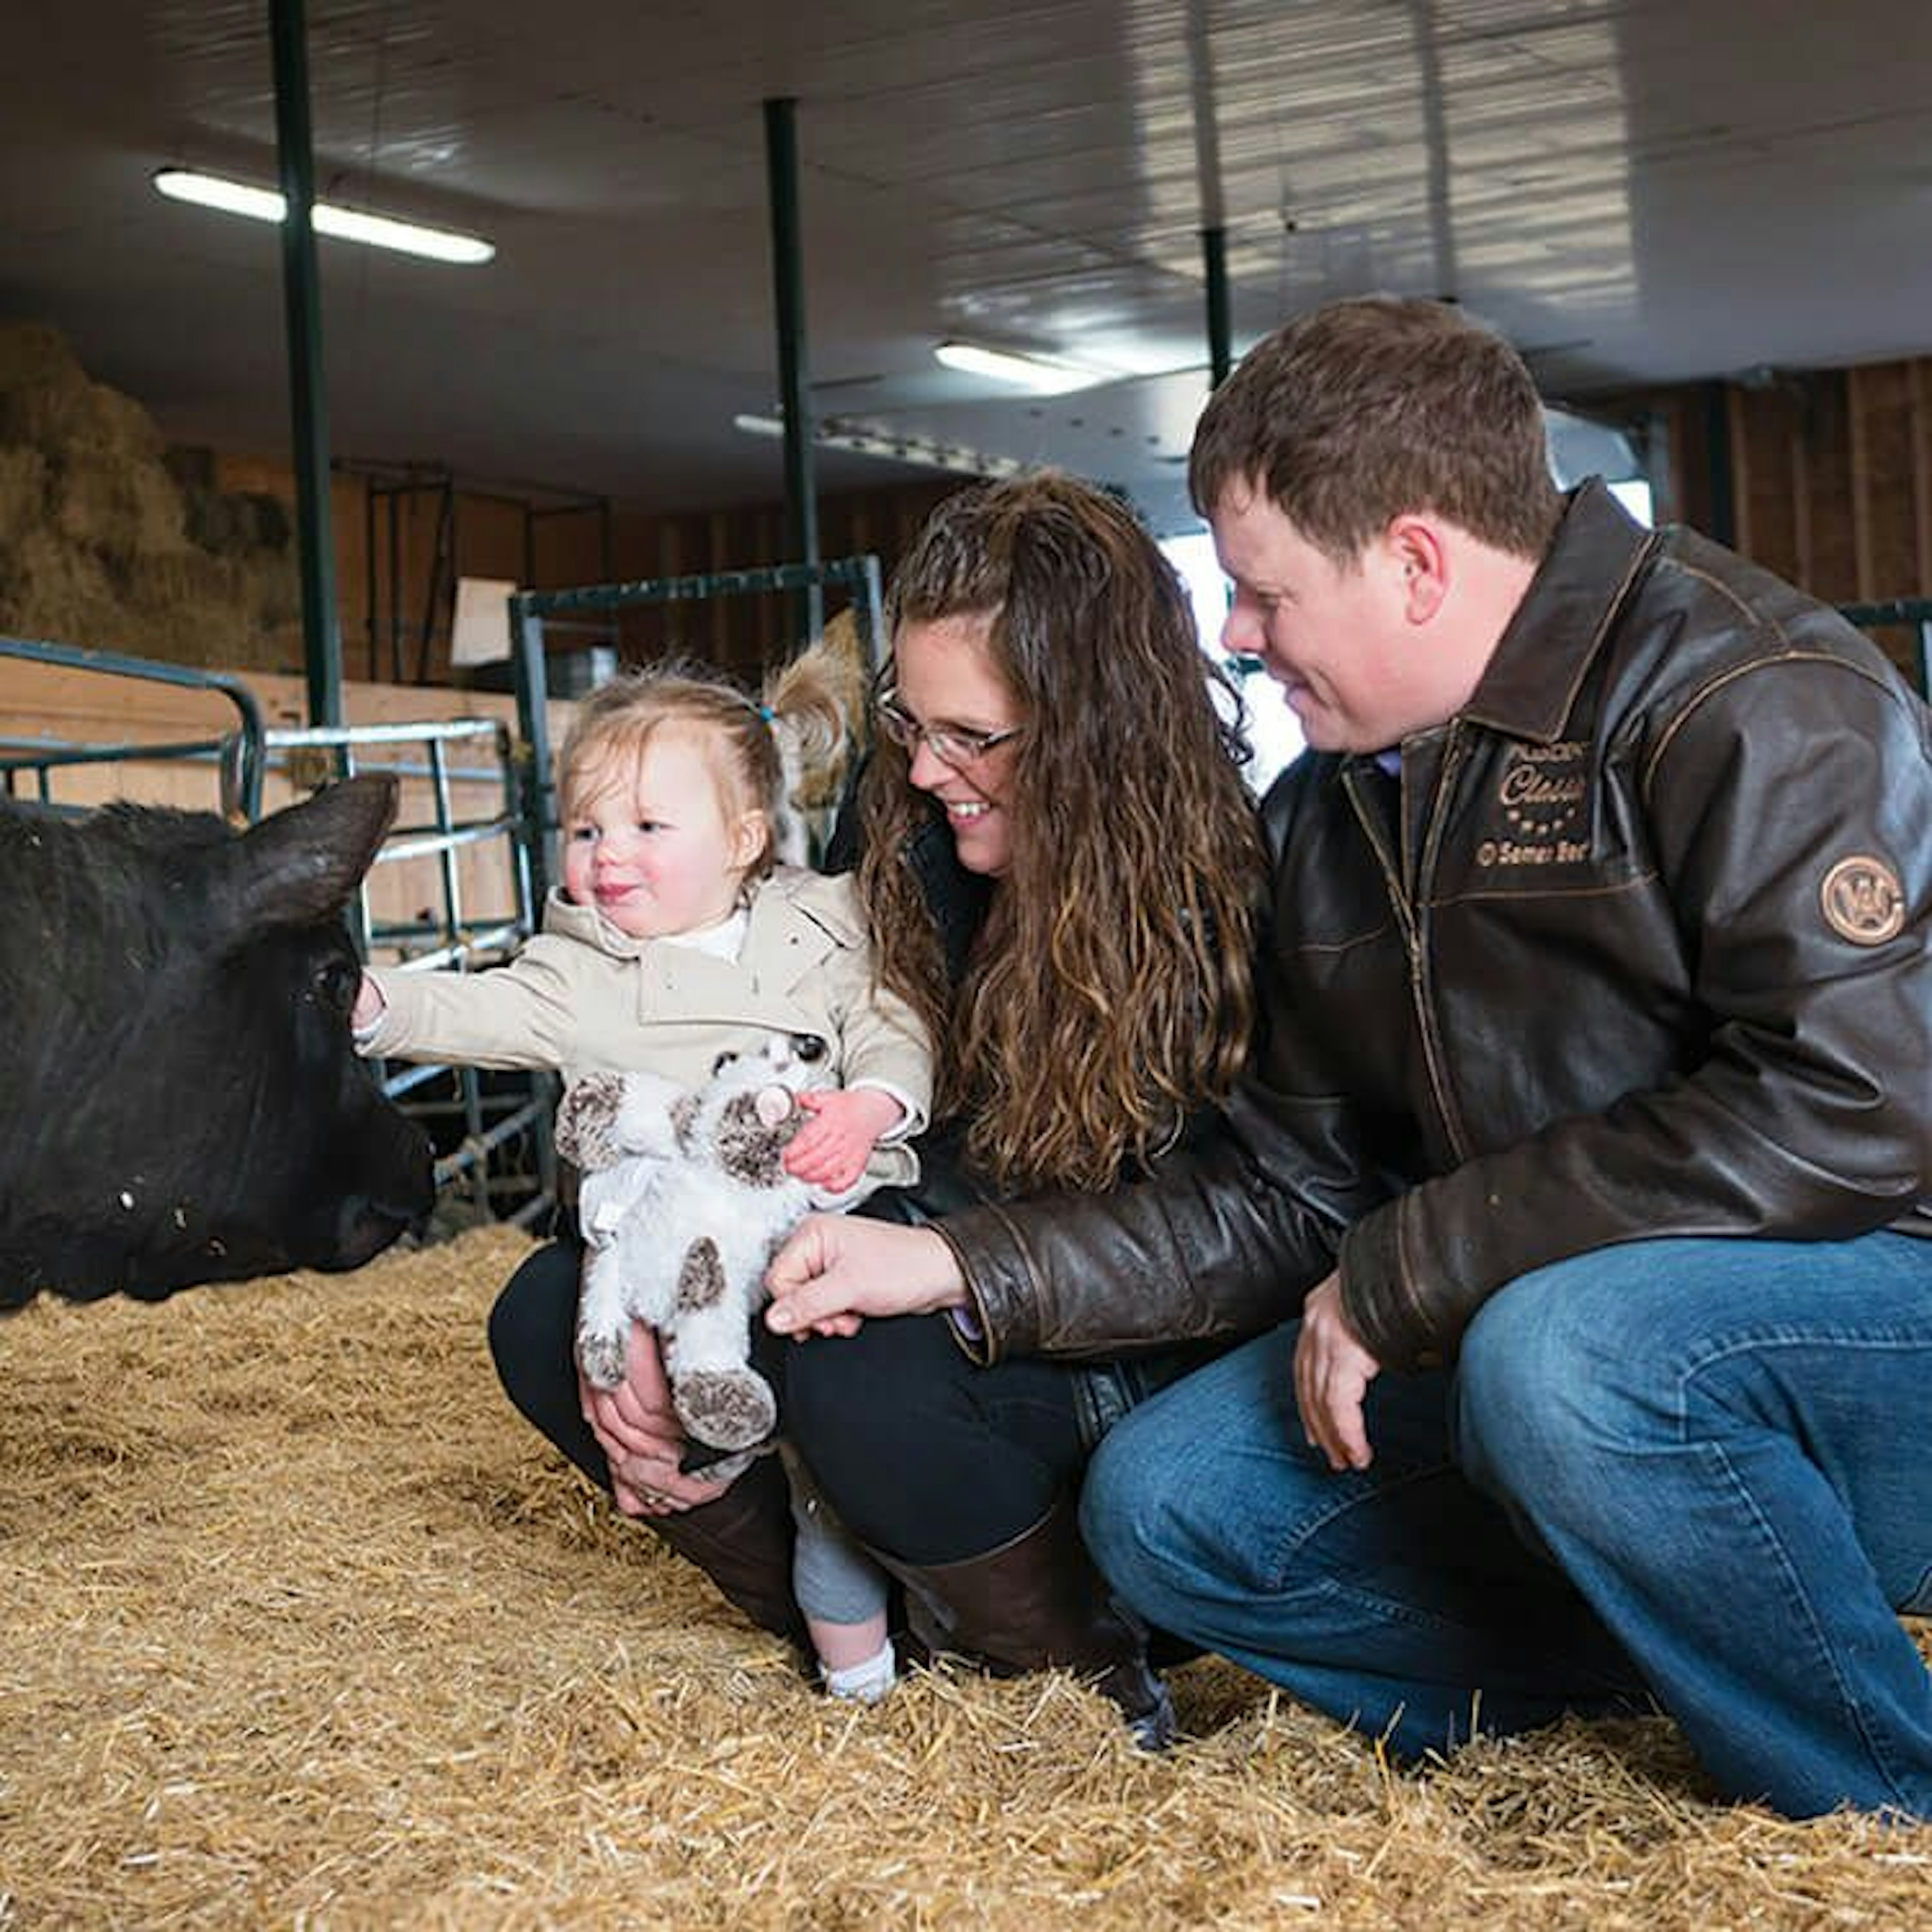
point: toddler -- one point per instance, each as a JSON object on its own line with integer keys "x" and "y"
{"x": 676, "y": 938}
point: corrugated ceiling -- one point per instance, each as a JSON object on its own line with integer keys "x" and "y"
{"x": 1636, "y": 192}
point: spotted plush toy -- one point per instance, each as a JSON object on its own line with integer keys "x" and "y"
{"x": 685, "y": 1197}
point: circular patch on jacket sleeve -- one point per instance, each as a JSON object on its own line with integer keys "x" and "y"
{"x": 1863, "y": 901}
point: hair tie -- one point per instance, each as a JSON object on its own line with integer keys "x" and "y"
{"x": 766, "y": 712}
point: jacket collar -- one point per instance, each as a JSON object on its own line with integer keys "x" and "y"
{"x": 1598, "y": 552}
{"x": 786, "y": 935}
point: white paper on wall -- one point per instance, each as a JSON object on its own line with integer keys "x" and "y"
{"x": 481, "y": 631}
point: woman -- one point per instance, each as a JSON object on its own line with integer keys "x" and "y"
{"x": 1061, "y": 868}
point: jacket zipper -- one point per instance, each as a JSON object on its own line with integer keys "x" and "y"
{"x": 1409, "y": 918}
{"x": 1419, "y": 977}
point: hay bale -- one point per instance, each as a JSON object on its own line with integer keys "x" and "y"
{"x": 130, "y": 513}
{"x": 68, "y": 414}
{"x": 307, "y": 1626}
{"x": 34, "y": 356}
{"x": 99, "y": 546}
{"x": 23, "y": 494}
{"x": 49, "y": 588}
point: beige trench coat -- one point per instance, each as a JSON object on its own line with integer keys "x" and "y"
{"x": 583, "y": 997}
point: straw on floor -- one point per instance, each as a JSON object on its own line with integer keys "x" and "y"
{"x": 305, "y": 1628}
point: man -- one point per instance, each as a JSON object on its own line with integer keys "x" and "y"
{"x": 1591, "y": 1130}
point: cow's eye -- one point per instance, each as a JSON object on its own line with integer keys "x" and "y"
{"x": 336, "y": 985}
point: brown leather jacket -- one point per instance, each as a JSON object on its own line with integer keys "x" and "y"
{"x": 1635, "y": 946}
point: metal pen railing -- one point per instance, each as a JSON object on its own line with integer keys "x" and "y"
{"x": 236, "y": 756}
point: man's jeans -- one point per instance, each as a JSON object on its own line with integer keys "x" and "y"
{"x": 1700, "y": 1468}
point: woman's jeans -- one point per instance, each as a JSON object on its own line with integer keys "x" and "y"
{"x": 1699, "y": 1467}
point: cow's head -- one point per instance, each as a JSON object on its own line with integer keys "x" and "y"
{"x": 180, "y": 1101}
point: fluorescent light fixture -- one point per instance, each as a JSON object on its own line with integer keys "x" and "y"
{"x": 1039, "y": 373}
{"x": 346, "y": 224}
{"x": 865, "y": 439}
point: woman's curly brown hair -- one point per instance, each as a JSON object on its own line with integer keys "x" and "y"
{"x": 1110, "y": 992}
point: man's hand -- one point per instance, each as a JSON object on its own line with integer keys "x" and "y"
{"x": 641, "y": 1436}
{"x": 836, "y": 1269}
{"x": 1332, "y": 1374}
{"x": 831, "y": 1150}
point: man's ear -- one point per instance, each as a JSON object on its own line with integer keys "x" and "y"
{"x": 1417, "y": 549}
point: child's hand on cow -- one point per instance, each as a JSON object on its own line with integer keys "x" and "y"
{"x": 641, "y": 1436}
{"x": 831, "y": 1150}
{"x": 369, "y": 1006}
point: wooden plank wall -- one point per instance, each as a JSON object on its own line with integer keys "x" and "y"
{"x": 1831, "y": 474}
{"x": 551, "y": 543}
{"x": 1831, "y": 487}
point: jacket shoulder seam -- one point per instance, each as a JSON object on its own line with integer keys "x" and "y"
{"x": 1729, "y": 674}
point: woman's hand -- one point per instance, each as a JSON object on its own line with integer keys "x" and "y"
{"x": 641, "y": 1436}
{"x": 836, "y": 1269}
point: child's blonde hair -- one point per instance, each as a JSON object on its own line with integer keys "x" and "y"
{"x": 618, "y": 720}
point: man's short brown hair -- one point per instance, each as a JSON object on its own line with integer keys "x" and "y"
{"x": 1361, "y": 410}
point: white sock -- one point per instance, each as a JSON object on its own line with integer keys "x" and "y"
{"x": 867, "y": 1682}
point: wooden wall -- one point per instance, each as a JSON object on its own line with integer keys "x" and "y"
{"x": 1823, "y": 475}
{"x": 552, "y": 542}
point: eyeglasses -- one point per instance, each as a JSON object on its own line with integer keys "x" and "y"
{"x": 952, "y": 744}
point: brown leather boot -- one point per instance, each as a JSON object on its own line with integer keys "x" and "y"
{"x": 742, "y": 1542}
{"x": 1038, "y": 1601}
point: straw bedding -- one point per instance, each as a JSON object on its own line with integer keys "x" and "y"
{"x": 304, "y": 1628}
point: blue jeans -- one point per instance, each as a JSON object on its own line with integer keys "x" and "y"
{"x": 1699, "y": 1469}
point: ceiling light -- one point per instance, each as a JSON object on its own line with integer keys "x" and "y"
{"x": 1039, "y": 373}
{"x": 346, "y": 224}
{"x": 865, "y": 438}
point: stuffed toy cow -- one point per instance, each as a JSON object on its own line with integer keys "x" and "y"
{"x": 685, "y": 1197}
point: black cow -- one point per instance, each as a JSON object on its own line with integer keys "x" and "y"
{"x": 179, "y": 1099}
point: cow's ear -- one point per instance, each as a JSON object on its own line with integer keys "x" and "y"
{"x": 301, "y": 865}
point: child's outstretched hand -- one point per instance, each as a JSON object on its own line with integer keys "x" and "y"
{"x": 831, "y": 1150}
{"x": 369, "y": 1007}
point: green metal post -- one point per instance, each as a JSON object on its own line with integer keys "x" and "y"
{"x": 1720, "y": 521}
{"x": 322, "y": 634}
{"x": 1214, "y": 261}
{"x": 788, "y": 286}
{"x": 530, "y": 672}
